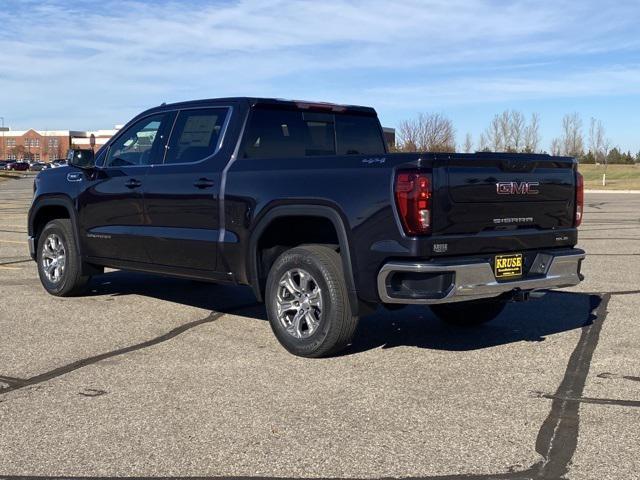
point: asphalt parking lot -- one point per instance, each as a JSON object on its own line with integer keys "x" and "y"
{"x": 149, "y": 376}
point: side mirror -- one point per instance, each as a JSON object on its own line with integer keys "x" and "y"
{"x": 81, "y": 158}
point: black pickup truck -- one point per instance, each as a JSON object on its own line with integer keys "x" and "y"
{"x": 303, "y": 202}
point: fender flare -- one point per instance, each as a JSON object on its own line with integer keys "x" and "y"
{"x": 55, "y": 201}
{"x": 310, "y": 210}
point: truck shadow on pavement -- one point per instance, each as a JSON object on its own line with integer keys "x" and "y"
{"x": 413, "y": 326}
{"x": 208, "y": 296}
{"x": 530, "y": 321}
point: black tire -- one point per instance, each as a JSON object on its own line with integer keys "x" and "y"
{"x": 71, "y": 281}
{"x": 468, "y": 314}
{"x": 336, "y": 324}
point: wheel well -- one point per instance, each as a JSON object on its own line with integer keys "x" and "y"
{"x": 45, "y": 214}
{"x": 287, "y": 232}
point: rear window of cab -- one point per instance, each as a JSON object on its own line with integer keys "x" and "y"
{"x": 278, "y": 133}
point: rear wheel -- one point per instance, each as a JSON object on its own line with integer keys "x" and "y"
{"x": 308, "y": 303}
{"x": 59, "y": 263}
{"x": 468, "y": 314}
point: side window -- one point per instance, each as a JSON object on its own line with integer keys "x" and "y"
{"x": 320, "y": 138}
{"x": 358, "y": 135}
{"x": 196, "y": 134}
{"x": 288, "y": 134}
{"x": 141, "y": 144}
{"x": 274, "y": 133}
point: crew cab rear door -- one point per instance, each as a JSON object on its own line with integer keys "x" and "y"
{"x": 181, "y": 192}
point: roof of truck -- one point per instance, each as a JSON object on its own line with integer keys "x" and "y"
{"x": 301, "y": 104}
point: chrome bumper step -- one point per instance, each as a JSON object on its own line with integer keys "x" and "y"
{"x": 473, "y": 281}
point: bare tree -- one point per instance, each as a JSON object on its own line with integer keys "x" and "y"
{"x": 438, "y": 134}
{"x": 532, "y": 134}
{"x": 509, "y": 132}
{"x": 494, "y": 135}
{"x": 408, "y": 133}
{"x": 504, "y": 122}
{"x": 428, "y": 133}
{"x": 517, "y": 128}
{"x": 484, "y": 143}
{"x": 598, "y": 145}
{"x": 468, "y": 143}
{"x": 572, "y": 141}
{"x": 19, "y": 152}
{"x": 45, "y": 147}
{"x": 556, "y": 147}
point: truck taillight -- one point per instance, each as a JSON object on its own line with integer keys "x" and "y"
{"x": 579, "y": 199}
{"x": 413, "y": 199}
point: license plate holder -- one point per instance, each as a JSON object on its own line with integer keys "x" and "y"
{"x": 508, "y": 266}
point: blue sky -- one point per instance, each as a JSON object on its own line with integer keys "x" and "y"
{"x": 93, "y": 64}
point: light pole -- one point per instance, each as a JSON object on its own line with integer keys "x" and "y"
{"x": 2, "y": 155}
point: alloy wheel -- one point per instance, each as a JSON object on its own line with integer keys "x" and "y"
{"x": 299, "y": 303}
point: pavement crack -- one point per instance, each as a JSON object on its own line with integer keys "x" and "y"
{"x": 92, "y": 392}
{"x": 616, "y": 376}
{"x": 17, "y": 261}
{"x": 60, "y": 371}
{"x": 614, "y": 254}
{"x": 597, "y": 401}
{"x": 558, "y": 437}
{"x": 624, "y": 292}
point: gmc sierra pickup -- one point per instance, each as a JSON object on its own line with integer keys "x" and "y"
{"x": 303, "y": 202}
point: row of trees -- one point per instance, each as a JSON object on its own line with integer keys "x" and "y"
{"x": 511, "y": 131}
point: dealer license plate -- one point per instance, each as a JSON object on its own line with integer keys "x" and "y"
{"x": 508, "y": 266}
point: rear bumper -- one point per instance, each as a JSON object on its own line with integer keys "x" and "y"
{"x": 445, "y": 282}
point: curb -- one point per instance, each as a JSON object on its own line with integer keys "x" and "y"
{"x": 613, "y": 191}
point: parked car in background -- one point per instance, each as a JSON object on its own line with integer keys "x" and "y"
{"x": 58, "y": 163}
{"x": 18, "y": 166}
{"x": 3, "y": 164}
{"x": 38, "y": 166}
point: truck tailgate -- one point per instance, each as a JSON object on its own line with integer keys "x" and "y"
{"x": 491, "y": 192}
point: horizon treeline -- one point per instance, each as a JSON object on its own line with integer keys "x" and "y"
{"x": 511, "y": 131}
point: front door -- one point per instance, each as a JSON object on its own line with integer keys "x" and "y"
{"x": 182, "y": 192}
{"x": 111, "y": 209}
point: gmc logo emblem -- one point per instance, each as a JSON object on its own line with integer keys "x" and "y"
{"x": 517, "y": 188}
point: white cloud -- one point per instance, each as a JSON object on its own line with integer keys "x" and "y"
{"x": 101, "y": 63}
{"x": 614, "y": 80}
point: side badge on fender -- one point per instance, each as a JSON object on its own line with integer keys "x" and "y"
{"x": 74, "y": 177}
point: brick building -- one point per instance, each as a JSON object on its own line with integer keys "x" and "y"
{"x": 47, "y": 145}
{"x": 44, "y": 145}
{"x": 389, "y": 136}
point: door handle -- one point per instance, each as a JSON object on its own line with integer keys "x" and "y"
{"x": 133, "y": 183}
{"x": 203, "y": 183}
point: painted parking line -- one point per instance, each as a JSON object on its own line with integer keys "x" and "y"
{"x": 2, "y": 267}
{"x": 13, "y": 241}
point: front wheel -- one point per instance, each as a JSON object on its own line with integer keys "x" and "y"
{"x": 308, "y": 303}
{"x": 59, "y": 263}
{"x": 468, "y": 314}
